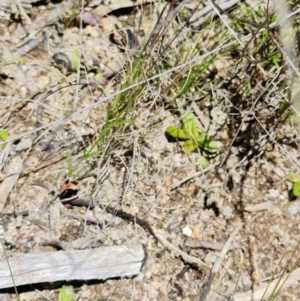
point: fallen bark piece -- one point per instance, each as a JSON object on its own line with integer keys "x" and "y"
{"x": 93, "y": 264}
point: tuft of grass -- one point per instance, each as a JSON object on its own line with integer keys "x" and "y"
{"x": 72, "y": 15}
{"x": 177, "y": 89}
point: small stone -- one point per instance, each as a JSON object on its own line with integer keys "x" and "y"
{"x": 196, "y": 232}
{"x": 274, "y": 228}
{"x": 293, "y": 209}
{"x": 153, "y": 293}
{"x": 218, "y": 115}
{"x": 24, "y": 144}
{"x": 231, "y": 272}
{"x": 274, "y": 194}
{"x": 210, "y": 258}
{"x": 140, "y": 277}
{"x": 187, "y": 231}
{"x": 115, "y": 235}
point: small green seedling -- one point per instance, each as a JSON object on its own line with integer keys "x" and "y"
{"x": 66, "y": 293}
{"x": 191, "y": 135}
{"x": 98, "y": 76}
{"x": 295, "y": 179}
{"x": 70, "y": 168}
{"x": 75, "y": 61}
{"x": 4, "y": 135}
{"x": 21, "y": 60}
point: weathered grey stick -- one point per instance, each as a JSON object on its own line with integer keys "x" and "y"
{"x": 14, "y": 170}
{"x": 101, "y": 263}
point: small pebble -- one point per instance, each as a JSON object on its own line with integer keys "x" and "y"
{"x": 274, "y": 194}
{"x": 140, "y": 277}
{"x": 293, "y": 209}
{"x": 187, "y": 231}
{"x": 210, "y": 258}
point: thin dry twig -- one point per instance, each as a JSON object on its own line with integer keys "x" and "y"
{"x": 259, "y": 207}
{"x": 217, "y": 264}
{"x": 54, "y": 215}
{"x": 187, "y": 258}
{"x": 197, "y": 174}
{"x": 90, "y": 219}
{"x": 252, "y": 252}
{"x": 23, "y": 12}
{"x": 213, "y": 245}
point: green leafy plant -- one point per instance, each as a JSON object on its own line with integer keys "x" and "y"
{"x": 66, "y": 293}
{"x": 191, "y": 135}
{"x": 295, "y": 179}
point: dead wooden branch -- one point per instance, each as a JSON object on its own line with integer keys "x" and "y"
{"x": 101, "y": 263}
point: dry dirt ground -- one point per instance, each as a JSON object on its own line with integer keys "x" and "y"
{"x": 243, "y": 197}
